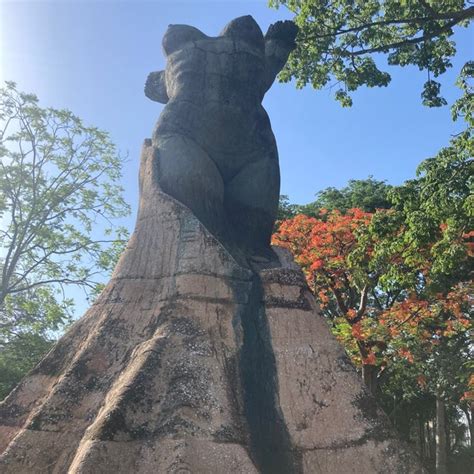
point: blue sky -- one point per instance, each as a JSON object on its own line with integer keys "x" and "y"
{"x": 93, "y": 58}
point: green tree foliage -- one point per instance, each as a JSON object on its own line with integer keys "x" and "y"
{"x": 58, "y": 188}
{"x": 286, "y": 210}
{"x": 339, "y": 39}
{"x": 365, "y": 194}
{"x": 439, "y": 204}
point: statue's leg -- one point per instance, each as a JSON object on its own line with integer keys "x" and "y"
{"x": 251, "y": 203}
{"x": 186, "y": 173}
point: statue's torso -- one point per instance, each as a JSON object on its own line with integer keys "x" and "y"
{"x": 215, "y": 100}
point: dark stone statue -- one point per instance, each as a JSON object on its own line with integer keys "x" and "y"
{"x": 216, "y": 152}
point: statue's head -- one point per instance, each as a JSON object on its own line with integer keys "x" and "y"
{"x": 237, "y": 61}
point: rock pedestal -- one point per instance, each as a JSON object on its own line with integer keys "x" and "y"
{"x": 191, "y": 362}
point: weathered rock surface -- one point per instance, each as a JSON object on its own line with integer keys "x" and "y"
{"x": 191, "y": 362}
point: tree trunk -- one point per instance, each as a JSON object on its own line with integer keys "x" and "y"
{"x": 421, "y": 437}
{"x": 468, "y": 411}
{"x": 429, "y": 444}
{"x": 441, "y": 446}
{"x": 369, "y": 375}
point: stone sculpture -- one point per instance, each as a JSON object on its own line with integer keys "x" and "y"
{"x": 190, "y": 362}
{"x": 215, "y": 146}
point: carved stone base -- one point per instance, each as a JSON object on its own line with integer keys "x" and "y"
{"x": 191, "y": 362}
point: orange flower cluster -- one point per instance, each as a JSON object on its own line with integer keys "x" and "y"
{"x": 322, "y": 245}
{"x": 430, "y": 319}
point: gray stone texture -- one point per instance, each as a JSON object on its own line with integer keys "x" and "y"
{"x": 191, "y": 363}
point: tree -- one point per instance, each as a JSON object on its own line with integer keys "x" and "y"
{"x": 379, "y": 298}
{"x": 58, "y": 188}
{"x": 286, "y": 210}
{"x": 439, "y": 212}
{"x": 426, "y": 396}
{"x": 396, "y": 286}
{"x": 366, "y": 194}
{"x": 338, "y": 42}
{"x": 357, "y": 271}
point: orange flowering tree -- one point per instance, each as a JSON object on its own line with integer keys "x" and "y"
{"x": 372, "y": 286}
{"x": 338, "y": 253}
{"x": 381, "y": 296}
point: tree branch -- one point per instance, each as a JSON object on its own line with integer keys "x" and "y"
{"x": 455, "y": 17}
{"x": 340, "y": 300}
{"x": 68, "y": 281}
{"x": 362, "y": 305}
{"x": 407, "y": 42}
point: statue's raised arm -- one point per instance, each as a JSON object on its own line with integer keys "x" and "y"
{"x": 279, "y": 43}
